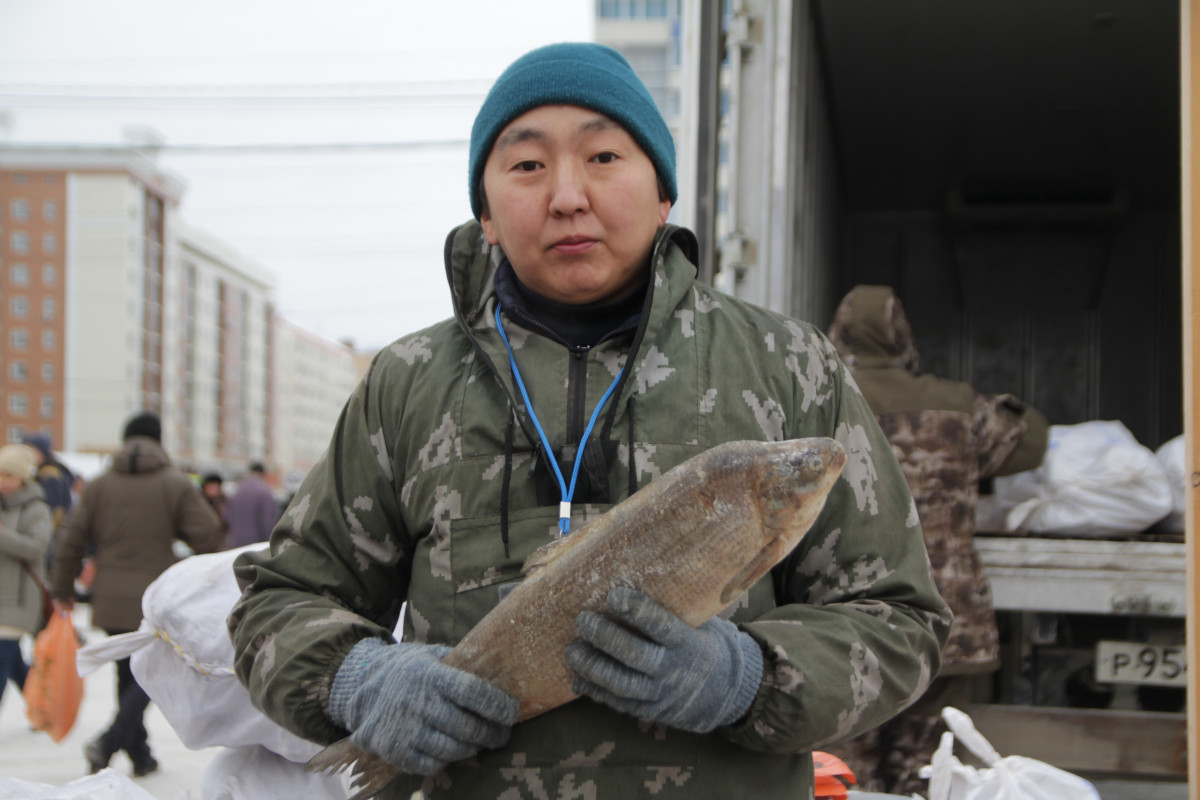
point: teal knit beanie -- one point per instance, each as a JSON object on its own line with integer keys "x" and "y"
{"x": 577, "y": 74}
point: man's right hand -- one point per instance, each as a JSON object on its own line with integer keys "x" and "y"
{"x": 401, "y": 702}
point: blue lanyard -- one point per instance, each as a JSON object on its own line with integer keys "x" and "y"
{"x": 564, "y": 506}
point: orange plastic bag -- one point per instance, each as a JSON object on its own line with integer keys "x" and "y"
{"x": 833, "y": 777}
{"x": 53, "y": 689}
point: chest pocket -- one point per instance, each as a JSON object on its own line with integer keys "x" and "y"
{"x": 474, "y": 574}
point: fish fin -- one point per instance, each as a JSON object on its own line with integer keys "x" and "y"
{"x": 549, "y": 553}
{"x": 749, "y": 574}
{"x": 369, "y": 773}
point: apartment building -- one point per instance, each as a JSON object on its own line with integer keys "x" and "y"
{"x": 85, "y": 255}
{"x": 111, "y": 303}
{"x": 313, "y": 377}
{"x": 220, "y": 371}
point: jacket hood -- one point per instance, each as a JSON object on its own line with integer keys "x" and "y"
{"x": 870, "y": 330}
{"x": 26, "y": 494}
{"x": 140, "y": 455}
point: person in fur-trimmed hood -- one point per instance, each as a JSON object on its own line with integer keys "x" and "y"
{"x": 132, "y": 514}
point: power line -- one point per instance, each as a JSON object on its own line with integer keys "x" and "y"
{"x": 248, "y": 147}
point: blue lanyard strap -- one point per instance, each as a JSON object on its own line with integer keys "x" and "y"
{"x": 564, "y": 507}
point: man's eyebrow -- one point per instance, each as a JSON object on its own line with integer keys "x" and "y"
{"x": 518, "y": 135}
{"x": 598, "y": 123}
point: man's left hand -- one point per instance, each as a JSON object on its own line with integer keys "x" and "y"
{"x": 643, "y": 660}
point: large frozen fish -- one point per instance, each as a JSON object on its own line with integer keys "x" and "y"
{"x": 694, "y": 540}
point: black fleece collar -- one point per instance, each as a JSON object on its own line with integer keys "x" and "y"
{"x": 576, "y": 326}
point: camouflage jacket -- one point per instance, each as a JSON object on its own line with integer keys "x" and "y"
{"x": 947, "y": 437}
{"x": 429, "y": 493}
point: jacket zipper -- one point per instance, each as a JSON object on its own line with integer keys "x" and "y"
{"x": 577, "y": 394}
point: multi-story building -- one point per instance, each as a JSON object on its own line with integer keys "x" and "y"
{"x": 219, "y": 381}
{"x": 110, "y": 304}
{"x": 313, "y": 377}
{"x": 84, "y": 259}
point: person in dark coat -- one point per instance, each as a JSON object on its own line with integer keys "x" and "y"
{"x": 252, "y": 511}
{"x": 56, "y": 480}
{"x": 133, "y": 514}
{"x": 212, "y": 487}
{"x": 947, "y": 437}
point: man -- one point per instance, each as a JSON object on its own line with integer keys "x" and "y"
{"x": 947, "y": 437}
{"x": 132, "y": 514}
{"x": 252, "y": 511}
{"x": 582, "y": 346}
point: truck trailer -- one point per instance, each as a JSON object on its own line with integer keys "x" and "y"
{"x": 1012, "y": 168}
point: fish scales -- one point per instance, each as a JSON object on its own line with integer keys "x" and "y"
{"x": 694, "y": 540}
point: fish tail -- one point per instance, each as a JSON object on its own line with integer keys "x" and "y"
{"x": 369, "y": 773}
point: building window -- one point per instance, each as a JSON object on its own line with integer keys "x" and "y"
{"x": 49, "y": 274}
{"x": 47, "y": 406}
{"x": 19, "y": 242}
{"x": 610, "y": 9}
{"x": 18, "y": 371}
{"x": 20, "y": 210}
{"x": 47, "y": 372}
{"x": 49, "y": 309}
{"x": 49, "y": 340}
{"x": 18, "y": 338}
{"x": 19, "y": 306}
{"x": 19, "y": 274}
{"x": 49, "y": 210}
{"x": 656, "y": 9}
{"x": 49, "y": 242}
{"x": 17, "y": 403}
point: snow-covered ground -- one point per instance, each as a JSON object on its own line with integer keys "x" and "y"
{"x": 33, "y": 756}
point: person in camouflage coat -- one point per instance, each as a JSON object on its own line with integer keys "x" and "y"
{"x": 947, "y": 437}
{"x": 436, "y": 486}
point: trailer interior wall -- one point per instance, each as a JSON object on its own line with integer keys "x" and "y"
{"x": 818, "y": 199}
{"x": 1012, "y": 168}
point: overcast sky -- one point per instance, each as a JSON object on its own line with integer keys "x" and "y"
{"x": 375, "y": 99}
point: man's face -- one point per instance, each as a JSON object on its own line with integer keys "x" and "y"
{"x": 9, "y": 483}
{"x": 574, "y": 202}
{"x": 212, "y": 490}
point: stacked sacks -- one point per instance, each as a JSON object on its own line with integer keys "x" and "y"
{"x": 1096, "y": 480}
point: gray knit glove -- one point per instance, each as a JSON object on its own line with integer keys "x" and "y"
{"x": 401, "y": 702}
{"x": 644, "y": 661}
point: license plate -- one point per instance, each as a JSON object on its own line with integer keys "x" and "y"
{"x": 1134, "y": 662}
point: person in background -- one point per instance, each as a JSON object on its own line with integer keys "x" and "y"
{"x": 947, "y": 437}
{"x": 56, "y": 480}
{"x": 25, "y": 531}
{"x": 575, "y": 301}
{"x": 251, "y": 512}
{"x": 212, "y": 488}
{"x": 132, "y": 514}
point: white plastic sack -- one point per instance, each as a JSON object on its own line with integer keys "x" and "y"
{"x": 183, "y": 657}
{"x": 255, "y": 773}
{"x": 1173, "y": 457}
{"x": 1096, "y": 480}
{"x": 106, "y": 784}
{"x": 1008, "y": 778}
